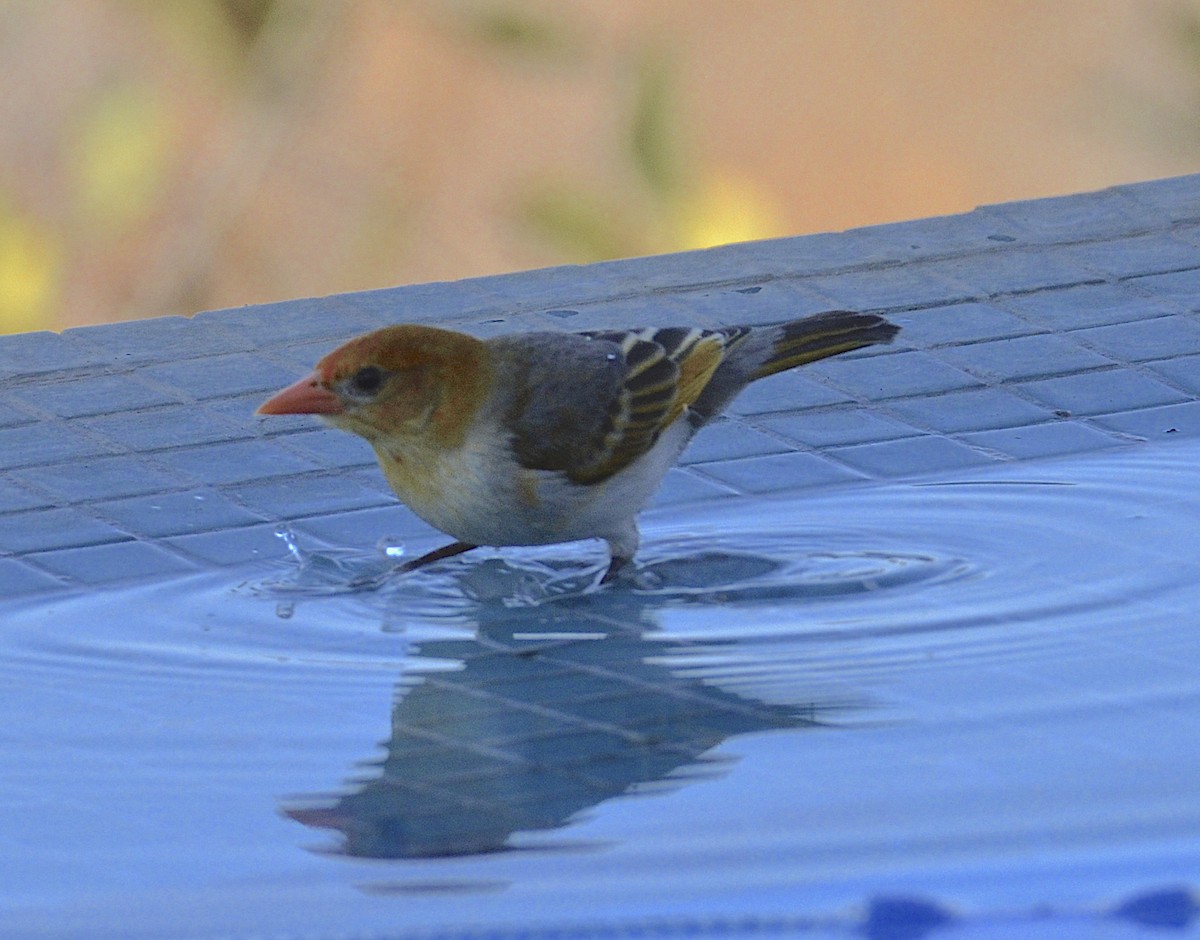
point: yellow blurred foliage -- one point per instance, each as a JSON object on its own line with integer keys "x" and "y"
{"x": 29, "y": 276}
{"x": 165, "y": 156}
{"x": 725, "y": 209}
{"x": 120, "y": 157}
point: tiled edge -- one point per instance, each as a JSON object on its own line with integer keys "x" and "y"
{"x": 1031, "y": 329}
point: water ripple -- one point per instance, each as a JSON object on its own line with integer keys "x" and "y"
{"x": 937, "y": 677}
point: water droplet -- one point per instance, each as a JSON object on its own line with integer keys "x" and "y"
{"x": 391, "y": 547}
{"x": 289, "y": 539}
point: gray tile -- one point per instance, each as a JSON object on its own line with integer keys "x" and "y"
{"x": 33, "y": 445}
{"x": 909, "y": 285}
{"x": 106, "y": 564}
{"x": 491, "y": 327}
{"x": 912, "y": 456}
{"x": 43, "y": 352}
{"x": 1023, "y": 357}
{"x": 626, "y": 312}
{"x": 330, "y": 319}
{"x": 1098, "y": 393}
{"x": 98, "y": 478}
{"x": 162, "y": 339}
{"x": 1013, "y": 271}
{"x": 895, "y": 375}
{"x": 1156, "y": 423}
{"x": 306, "y": 355}
{"x": 220, "y": 376}
{"x": 1159, "y": 338}
{"x": 12, "y": 414}
{"x": 1183, "y": 372}
{"x": 729, "y": 439}
{"x": 233, "y": 546}
{"x": 680, "y": 487}
{"x": 1145, "y": 254}
{"x": 784, "y": 391}
{"x": 960, "y": 323}
{"x": 813, "y": 254}
{"x": 178, "y": 513}
{"x": 973, "y": 410}
{"x": 1086, "y": 215}
{"x": 527, "y": 290}
{"x": 1188, "y": 232}
{"x": 1182, "y": 287}
{"x": 329, "y": 447}
{"x": 754, "y": 304}
{"x": 1166, "y": 199}
{"x": 777, "y": 472}
{"x": 95, "y": 395}
{"x": 831, "y": 428}
{"x": 972, "y": 231}
{"x": 43, "y": 529}
{"x": 234, "y": 462}
{"x": 365, "y": 527}
{"x": 15, "y": 497}
{"x": 308, "y": 495}
{"x": 159, "y": 428}
{"x": 1089, "y": 305}
{"x": 18, "y": 578}
{"x": 1042, "y": 440}
{"x": 238, "y": 412}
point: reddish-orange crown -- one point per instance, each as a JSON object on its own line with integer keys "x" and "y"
{"x": 437, "y": 375}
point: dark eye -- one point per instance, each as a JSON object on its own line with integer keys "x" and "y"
{"x": 367, "y": 381}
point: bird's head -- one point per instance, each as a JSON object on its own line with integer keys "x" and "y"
{"x": 400, "y": 382}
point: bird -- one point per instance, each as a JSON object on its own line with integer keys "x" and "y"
{"x": 545, "y": 437}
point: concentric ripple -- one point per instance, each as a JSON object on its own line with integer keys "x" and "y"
{"x": 969, "y": 680}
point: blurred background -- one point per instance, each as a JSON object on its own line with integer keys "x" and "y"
{"x": 168, "y": 156}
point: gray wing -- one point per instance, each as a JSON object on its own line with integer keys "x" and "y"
{"x": 559, "y": 405}
{"x": 588, "y": 404}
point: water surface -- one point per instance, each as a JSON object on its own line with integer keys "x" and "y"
{"x": 982, "y": 689}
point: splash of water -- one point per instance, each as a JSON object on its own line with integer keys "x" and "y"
{"x": 391, "y": 548}
{"x": 285, "y": 534}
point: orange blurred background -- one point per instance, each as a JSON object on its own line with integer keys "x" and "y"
{"x": 169, "y": 156}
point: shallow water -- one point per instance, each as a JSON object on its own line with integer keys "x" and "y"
{"x": 979, "y": 689}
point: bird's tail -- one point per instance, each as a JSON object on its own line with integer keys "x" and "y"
{"x": 756, "y": 352}
{"x": 820, "y": 336}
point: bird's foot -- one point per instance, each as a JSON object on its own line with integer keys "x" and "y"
{"x": 614, "y": 566}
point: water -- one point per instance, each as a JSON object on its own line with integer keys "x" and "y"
{"x": 980, "y": 691}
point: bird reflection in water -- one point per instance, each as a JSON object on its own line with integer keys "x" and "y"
{"x": 554, "y": 710}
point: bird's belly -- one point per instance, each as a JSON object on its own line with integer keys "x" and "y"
{"x": 486, "y": 501}
{"x": 480, "y": 499}
{"x": 533, "y": 508}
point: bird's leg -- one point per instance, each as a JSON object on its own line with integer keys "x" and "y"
{"x": 446, "y": 551}
{"x": 372, "y": 582}
{"x": 622, "y": 546}
{"x": 615, "y": 565}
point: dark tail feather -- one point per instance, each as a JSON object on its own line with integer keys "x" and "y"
{"x": 823, "y": 335}
{"x": 756, "y": 352}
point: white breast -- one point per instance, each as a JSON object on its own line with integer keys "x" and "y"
{"x": 485, "y": 498}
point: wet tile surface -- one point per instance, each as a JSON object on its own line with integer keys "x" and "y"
{"x": 1049, "y": 327}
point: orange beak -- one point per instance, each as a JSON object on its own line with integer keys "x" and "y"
{"x": 306, "y": 397}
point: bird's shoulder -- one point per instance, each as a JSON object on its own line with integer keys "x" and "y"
{"x": 589, "y": 404}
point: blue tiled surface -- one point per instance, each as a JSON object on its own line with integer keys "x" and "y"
{"x": 1031, "y": 329}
